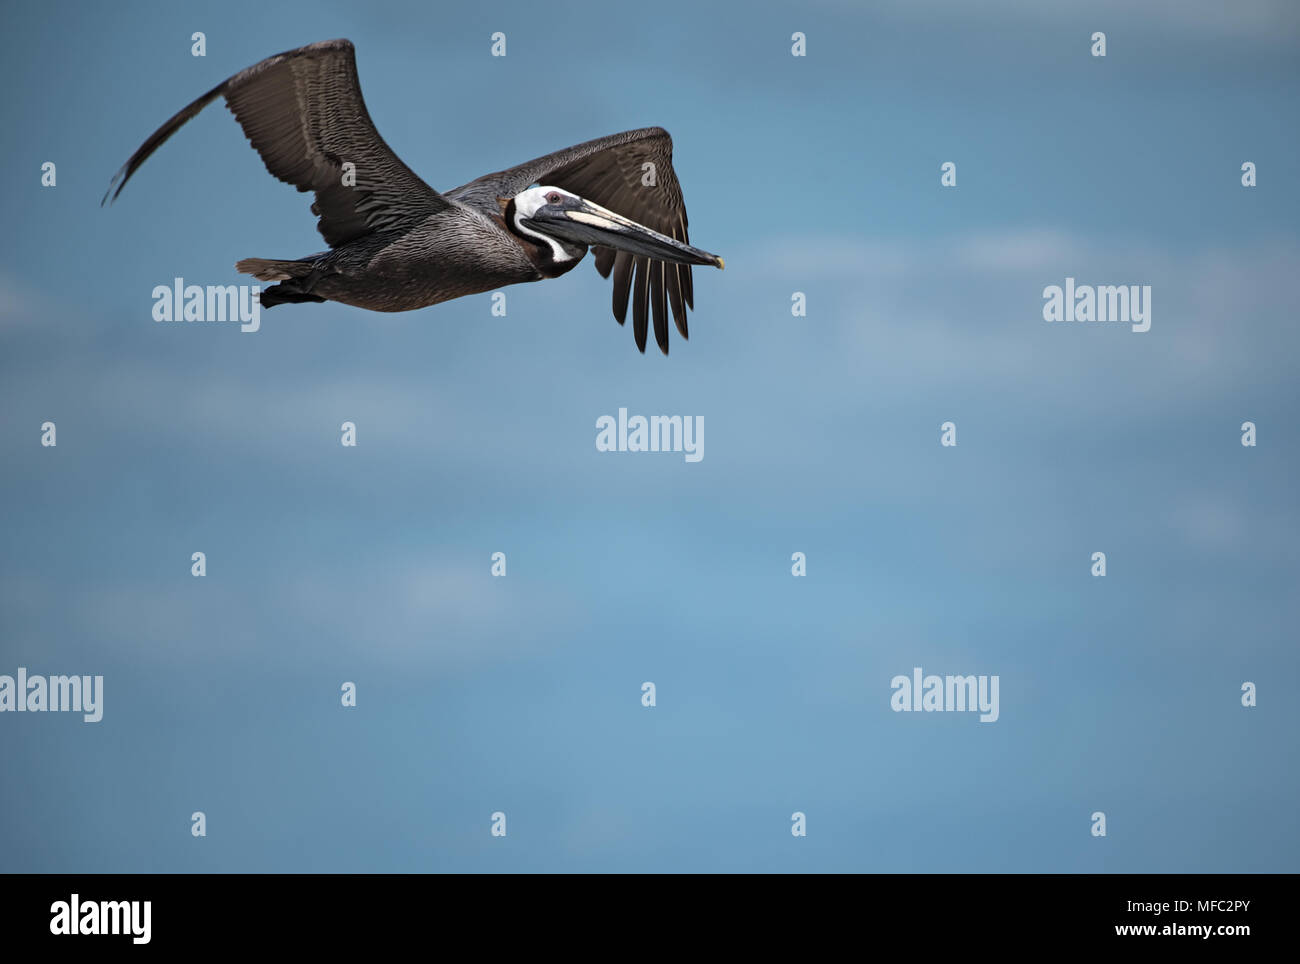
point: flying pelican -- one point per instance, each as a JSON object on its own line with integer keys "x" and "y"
{"x": 397, "y": 244}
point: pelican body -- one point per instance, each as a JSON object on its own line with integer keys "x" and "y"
{"x": 396, "y": 244}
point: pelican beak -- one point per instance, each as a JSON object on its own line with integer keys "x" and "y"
{"x": 581, "y": 221}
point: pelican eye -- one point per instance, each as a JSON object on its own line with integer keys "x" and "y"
{"x": 552, "y": 198}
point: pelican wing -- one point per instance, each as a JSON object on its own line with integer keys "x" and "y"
{"x": 302, "y": 110}
{"x": 631, "y": 174}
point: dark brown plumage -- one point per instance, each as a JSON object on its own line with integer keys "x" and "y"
{"x": 397, "y": 244}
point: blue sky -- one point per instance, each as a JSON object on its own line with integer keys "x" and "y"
{"x": 476, "y": 435}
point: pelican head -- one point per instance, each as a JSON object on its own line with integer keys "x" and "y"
{"x": 569, "y": 222}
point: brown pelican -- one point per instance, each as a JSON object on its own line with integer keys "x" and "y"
{"x": 397, "y": 244}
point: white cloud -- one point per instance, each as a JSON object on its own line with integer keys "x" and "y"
{"x": 20, "y": 308}
{"x": 448, "y": 613}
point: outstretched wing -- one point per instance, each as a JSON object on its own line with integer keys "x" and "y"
{"x": 303, "y": 112}
{"x": 631, "y": 174}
